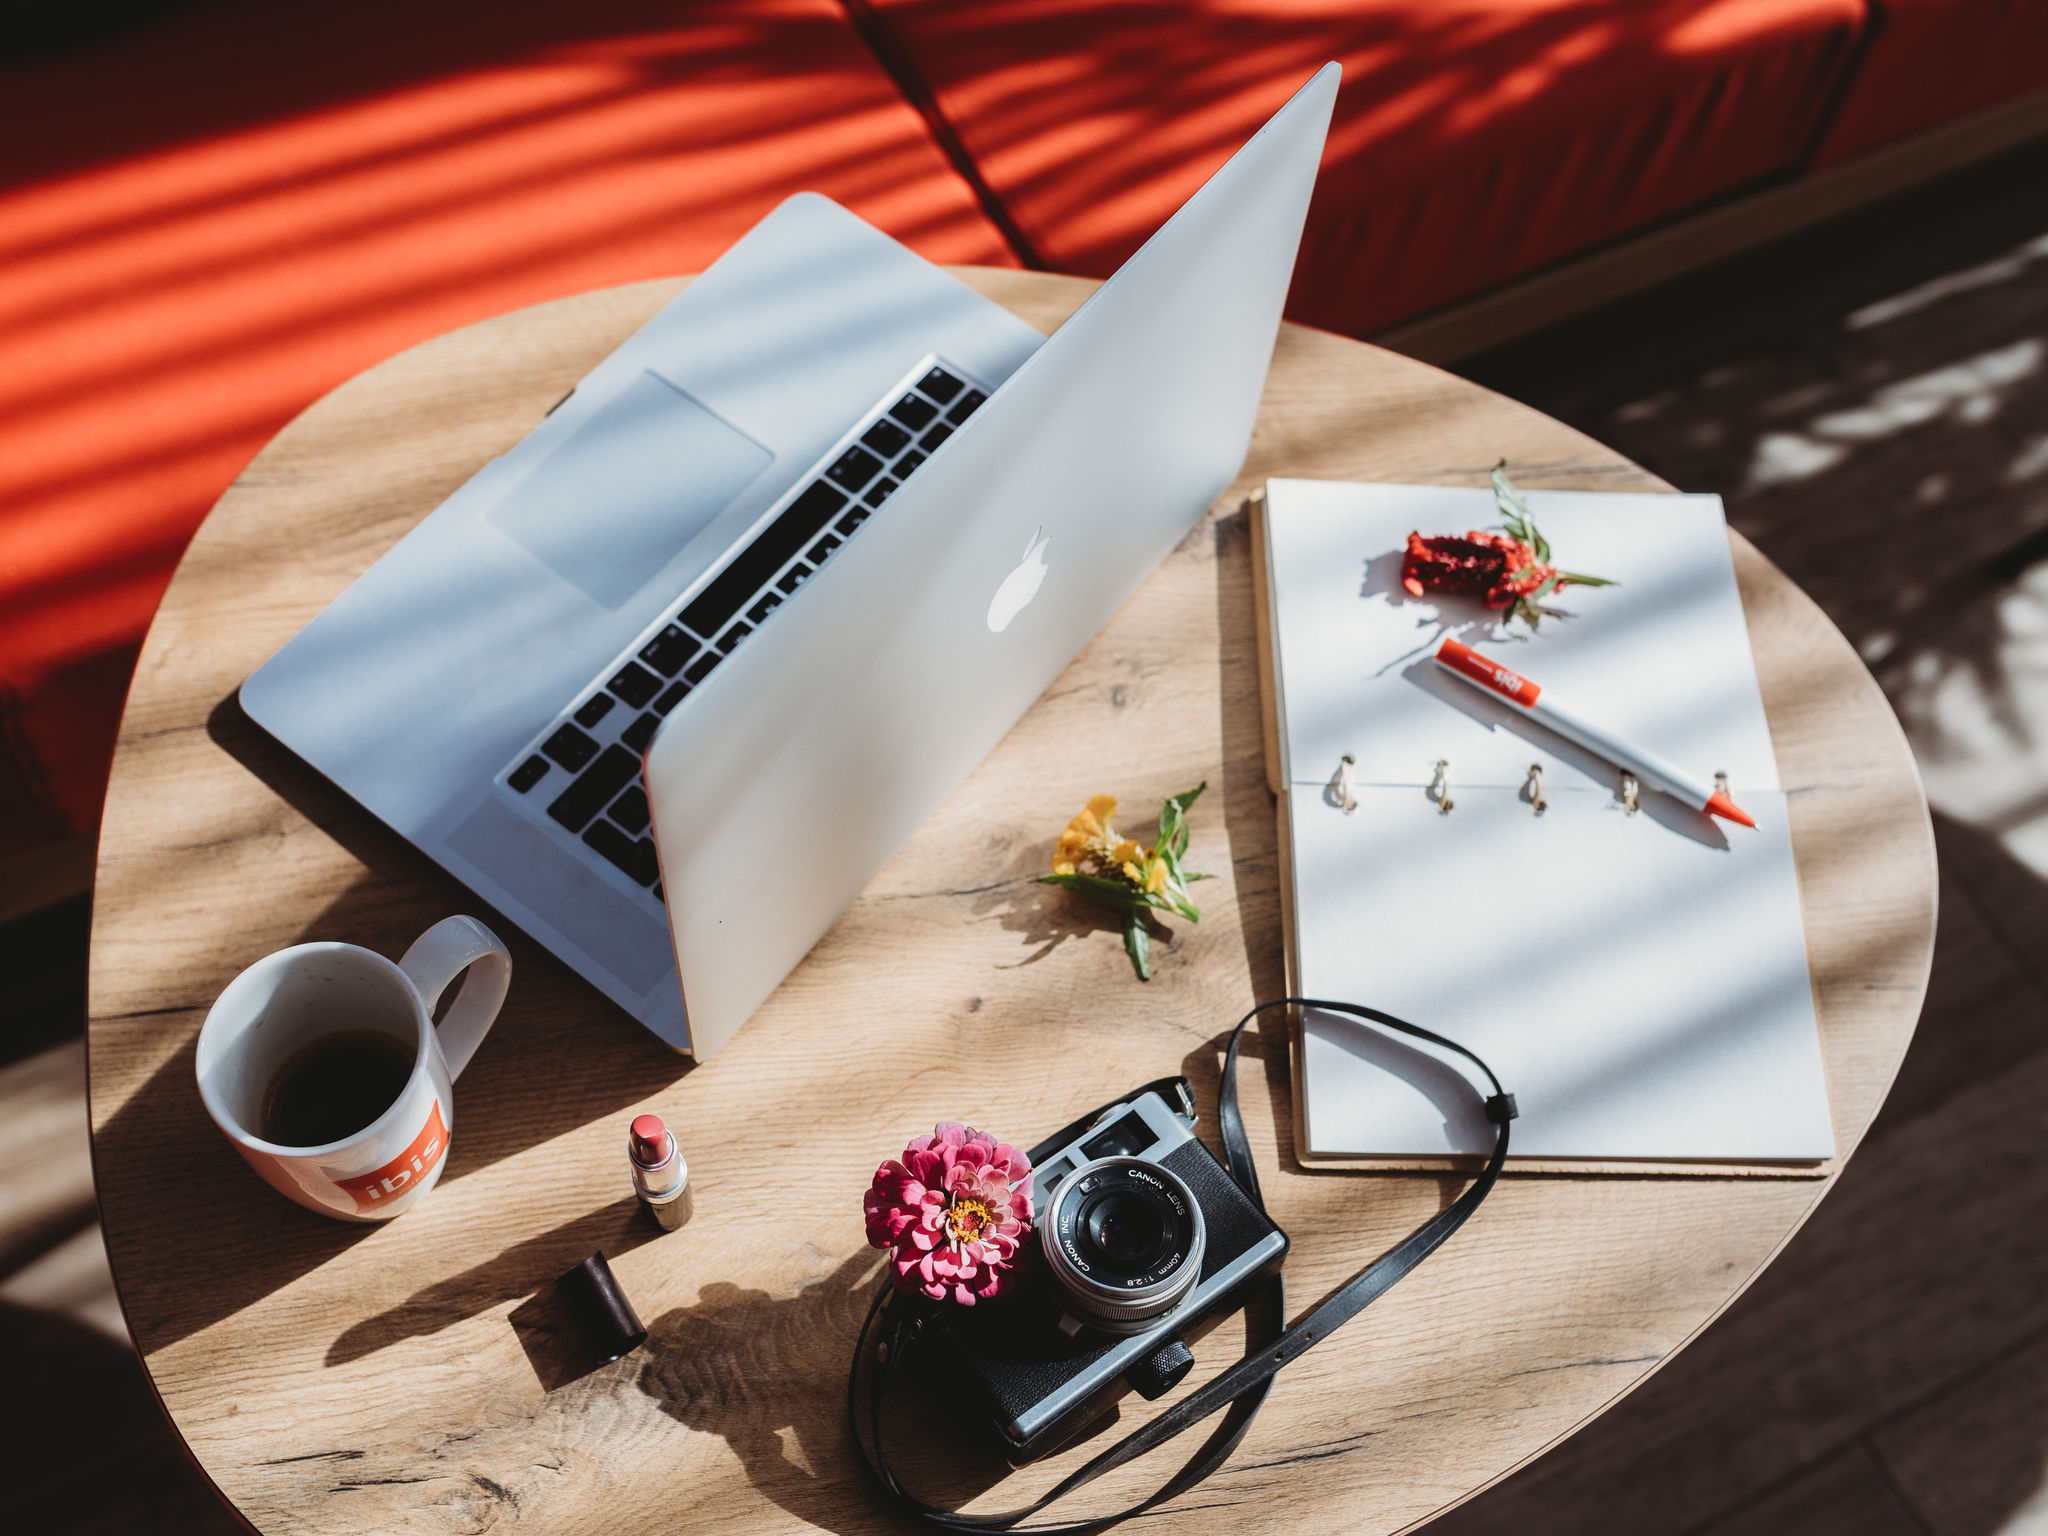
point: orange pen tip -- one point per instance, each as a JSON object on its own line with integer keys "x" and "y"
{"x": 1722, "y": 806}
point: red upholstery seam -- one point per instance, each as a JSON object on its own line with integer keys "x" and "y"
{"x": 1876, "y": 17}
{"x": 896, "y": 64}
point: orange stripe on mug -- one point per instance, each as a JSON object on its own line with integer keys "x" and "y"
{"x": 371, "y": 1190}
{"x": 1510, "y": 685}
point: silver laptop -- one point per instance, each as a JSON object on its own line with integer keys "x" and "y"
{"x": 804, "y": 548}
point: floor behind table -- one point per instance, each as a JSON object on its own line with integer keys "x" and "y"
{"x": 1872, "y": 401}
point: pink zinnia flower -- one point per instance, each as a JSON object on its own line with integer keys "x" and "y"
{"x": 953, "y": 1210}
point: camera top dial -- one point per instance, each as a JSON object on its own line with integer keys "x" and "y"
{"x": 1123, "y": 1241}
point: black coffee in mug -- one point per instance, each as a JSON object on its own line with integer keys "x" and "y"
{"x": 332, "y": 1087}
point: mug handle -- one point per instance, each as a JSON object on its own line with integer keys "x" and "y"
{"x": 436, "y": 958}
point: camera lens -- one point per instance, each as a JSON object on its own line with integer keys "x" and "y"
{"x": 1123, "y": 1230}
{"x": 1123, "y": 1241}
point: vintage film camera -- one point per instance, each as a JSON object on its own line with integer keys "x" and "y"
{"x": 1141, "y": 1239}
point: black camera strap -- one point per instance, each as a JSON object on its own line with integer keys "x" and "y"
{"x": 1242, "y": 1388}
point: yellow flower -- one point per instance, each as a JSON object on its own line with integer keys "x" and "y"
{"x": 1088, "y": 836}
{"x": 1091, "y": 841}
{"x": 1123, "y": 875}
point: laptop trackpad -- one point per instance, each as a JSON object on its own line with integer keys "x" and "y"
{"x": 610, "y": 506}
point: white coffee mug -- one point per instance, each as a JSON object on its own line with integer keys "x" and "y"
{"x": 286, "y": 1002}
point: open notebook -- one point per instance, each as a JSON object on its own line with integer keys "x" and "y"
{"x": 1638, "y": 981}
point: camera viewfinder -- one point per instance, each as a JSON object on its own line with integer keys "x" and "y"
{"x": 1129, "y": 1136}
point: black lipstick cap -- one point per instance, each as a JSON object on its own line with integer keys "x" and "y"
{"x": 601, "y": 1309}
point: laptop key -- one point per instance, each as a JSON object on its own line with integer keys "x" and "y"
{"x": 630, "y": 810}
{"x": 968, "y": 405}
{"x": 793, "y": 578}
{"x": 907, "y": 465}
{"x": 768, "y": 604}
{"x": 594, "y": 709}
{"x": 851, "y": 521}
{"x": 671, "y": 696}
{"x": 529, "y": 773}
{"x": 940, "y": 385}
{"x": 800, "y": 521}
{"x": 570, "y": 747}
{"x": 878, "y": 492}
{"x": 854, "y": 468}
{"x": 636, "y": 736}
{"x": 886, "y": 438}
{"x": 667, "y": 651}
{"x": 701, "y": 668}
{"x": 821, "y": 551}
{"x": 730, "y": 640}
{"x": 913, "y": 412}
{"x": 931, "y": 440}
{"x": 633, "y": 855}
{"x": 595, "y": 787}
{"x": 635, "y": 684}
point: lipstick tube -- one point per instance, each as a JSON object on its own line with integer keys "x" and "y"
{"x": 660, "y": 1176}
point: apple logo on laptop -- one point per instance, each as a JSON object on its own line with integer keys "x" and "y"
{"x": 1020, "y": 586}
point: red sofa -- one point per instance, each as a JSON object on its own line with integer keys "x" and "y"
{"x": 207, "y": 222}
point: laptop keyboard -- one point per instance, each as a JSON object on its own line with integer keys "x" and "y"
{"x": 584, "y": 767}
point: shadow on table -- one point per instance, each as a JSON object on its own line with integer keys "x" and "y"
{"x": 1261, "y": 1055}
{"x": 1044, "y": 916}
{"x": 243, "y": 1239}
{"x": 529, "y": 1268}
{"x": 768, "y": 1374}
{"x": 1243, "y": 797}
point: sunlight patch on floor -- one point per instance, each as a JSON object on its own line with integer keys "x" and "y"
{"x": 1969, "y": 391}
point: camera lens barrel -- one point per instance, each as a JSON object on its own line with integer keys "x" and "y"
{"x": 1123, "y": 1240}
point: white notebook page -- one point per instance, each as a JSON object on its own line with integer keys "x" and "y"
{"x": 1638, "y": 982}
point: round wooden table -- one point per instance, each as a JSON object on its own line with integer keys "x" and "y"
{"x": 420, "y": 1376}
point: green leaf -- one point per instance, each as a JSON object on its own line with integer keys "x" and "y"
{"x": 1575, "y": 579}
{"x": 1173, "y": 814}
{"x": 1138, "y": 944}
{"x": 1113, "y": 894}
{"x": 1544, "y": 588}
{"x": 1514, "y": 514}
{"x": 1515, "y": 517}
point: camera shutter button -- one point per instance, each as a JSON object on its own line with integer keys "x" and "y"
{"x": 1161, "y": 1371}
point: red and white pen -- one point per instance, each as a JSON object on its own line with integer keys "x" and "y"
{"x": 1463, "y": 662}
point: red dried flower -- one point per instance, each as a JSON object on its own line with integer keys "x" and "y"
{"x": 1489, "y": 566}
{"x": 1509, "y": 570}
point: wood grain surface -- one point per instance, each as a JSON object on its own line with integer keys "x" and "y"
{"x": 420, "y": 1375}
